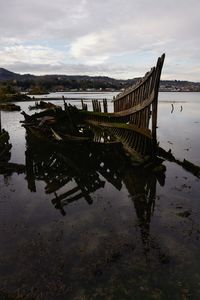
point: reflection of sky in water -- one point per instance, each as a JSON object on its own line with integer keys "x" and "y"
{"x": 124, "y": 243}
{"x": 180, "y": 130}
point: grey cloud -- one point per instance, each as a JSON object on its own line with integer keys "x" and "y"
{"x": 118, "y": 71}
{"x": 100, "y": 32}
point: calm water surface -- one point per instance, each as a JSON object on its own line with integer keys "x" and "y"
{"x": 85, "y": 224}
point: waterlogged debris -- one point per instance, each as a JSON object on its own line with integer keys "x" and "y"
{"x": 14, "y": 296}
{"x": 114, "y": 257}
{"x": 187, "y": 165}
{"x": 159, "y": 169}
{"x": 164, "y": 259}
{"x": 128, "y": 124}
{"x": 5, "y": 146}
{"x": 98, "y": 272}
{"x": 184, "y": 214}
{"x": 10, "y": 107}
{"x": 9, "y": 168}
{"x": 172, "y": 108}
{"x": 191, "y": 167}
{"x": 44, "y": 105}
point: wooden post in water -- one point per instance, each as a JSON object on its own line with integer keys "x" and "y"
{"x": 99, "y": 106}
{"x": 96, "y": 105}
{"x": 93, "y": 104}
{"x": 82, "y": 104}
{"x": 0, "y": 121}
{"x": 105, "y": 105}
{"x": 65, "y": 104}
{"x": 71, "y": 123}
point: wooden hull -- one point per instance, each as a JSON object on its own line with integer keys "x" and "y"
{"x": 36, "y": 135}
{"x": 137, "y": 107}
{"x": 133, "y": 122}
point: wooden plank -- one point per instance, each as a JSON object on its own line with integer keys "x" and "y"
{"x": 105, "y": 106}
{"x": 144, "y": 131}
{"x": 134, "y": 87}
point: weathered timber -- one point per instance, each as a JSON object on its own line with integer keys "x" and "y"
{"x": 6, "y": 167}
{"x": 136, "y": 141}
{"x": 96, "y": 105}
{"x": 5, "y": 146}
{"x": 105, "y": 106}
{"x": 131, "y": 127}
{"x": 134, "y": 111}
{"x": 87, "y": 167}
{"x": 137, "y": 105}
{"x": 185, "y": 164}
{"x": 84, "y": 105}
{"x": 43, "y": 105}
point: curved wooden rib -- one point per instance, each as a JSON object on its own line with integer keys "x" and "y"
{"x": 130, "y": 127}
{"x": 134, "y": 103}
{"x": 136, "y": 86}
{"x": 135, "y": 106}
{"x": 140, "y": 91}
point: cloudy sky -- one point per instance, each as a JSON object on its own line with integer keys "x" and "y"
{"x": 118, "y": 38}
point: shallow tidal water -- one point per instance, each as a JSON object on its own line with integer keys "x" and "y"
{"x": 85, "y": 224}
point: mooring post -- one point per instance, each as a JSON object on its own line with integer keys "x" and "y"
{"x": 0, "y": 120}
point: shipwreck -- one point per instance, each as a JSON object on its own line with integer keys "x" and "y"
{"x": 132, "y": 123}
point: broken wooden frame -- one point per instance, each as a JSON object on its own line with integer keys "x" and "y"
{"x": 135, "y": 110}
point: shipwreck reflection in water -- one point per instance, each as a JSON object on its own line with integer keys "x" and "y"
{"x": 89, "y": 166}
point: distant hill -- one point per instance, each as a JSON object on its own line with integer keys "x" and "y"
{"x": 61, "y": 82}
{"x": 55, "y": 82}
{"x": 8, "y": 75}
